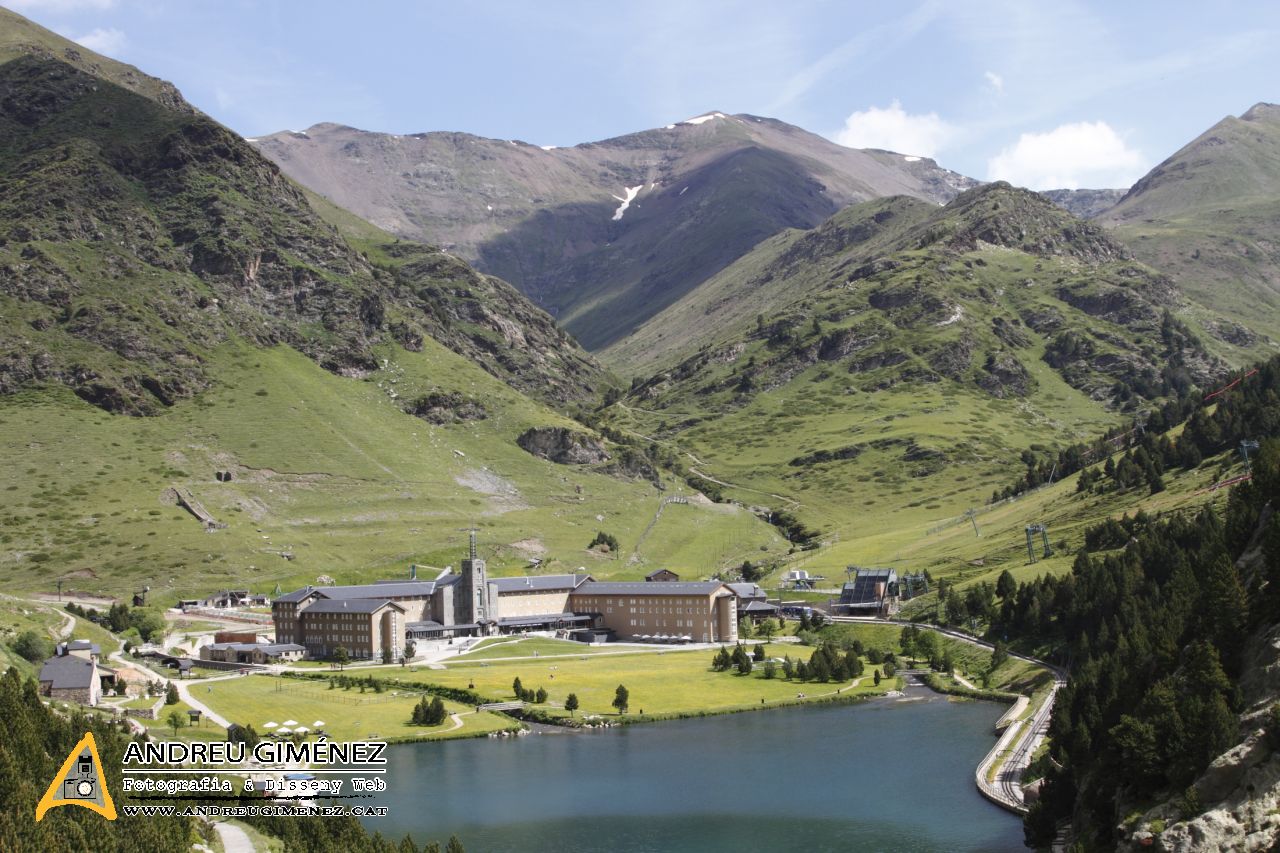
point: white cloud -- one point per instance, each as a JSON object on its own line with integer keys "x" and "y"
{"x": 108, "y": 41}
{"x": 58, "y": 6}
{"x": 995, "y": 81}
{"x": 894, "y": 129}
{"x": 1084, "y": 154}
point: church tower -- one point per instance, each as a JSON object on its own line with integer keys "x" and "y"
{"x": 475, "y": 586}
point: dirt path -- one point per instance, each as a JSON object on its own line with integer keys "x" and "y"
{"x": 234, "y": 839}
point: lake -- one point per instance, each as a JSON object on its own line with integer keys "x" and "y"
{"x": 888, "y": 774}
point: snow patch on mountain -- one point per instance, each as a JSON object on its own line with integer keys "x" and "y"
{"x": 702, "y": 118}
{"x": 632, "y": 192}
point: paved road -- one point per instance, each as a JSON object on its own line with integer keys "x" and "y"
{"x": 1020, "y": 739}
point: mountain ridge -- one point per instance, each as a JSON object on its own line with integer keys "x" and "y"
{"x": 137, "y": 235}
{"x": 585, "y": 229}
{"x": 1209, "y": 215}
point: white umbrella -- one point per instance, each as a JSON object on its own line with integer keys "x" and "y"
{"x": 302, "y": 729}
{"x": 290, "y": 722}
{"x": 283, "y": 730}
{"x": 270, "y": 725}
{"x": 317, "y": 724}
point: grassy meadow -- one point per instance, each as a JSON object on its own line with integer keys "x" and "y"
{"x": 330, "y": 477}
{"x": 347, "y": 714}
{"x": 672, "y": 683}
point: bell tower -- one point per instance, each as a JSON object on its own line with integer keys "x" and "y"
{"x": 475, "y": 585}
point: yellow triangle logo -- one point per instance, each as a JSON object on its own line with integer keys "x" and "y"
{"x": 79, "y": 783}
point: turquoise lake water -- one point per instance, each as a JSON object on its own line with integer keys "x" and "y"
{"x": 885, "y": 775}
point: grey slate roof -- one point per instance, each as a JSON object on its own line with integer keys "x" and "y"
{"x": 265, "y": 648}
{"x": 350, "y": 605}
{"x": 746, "y": 590}
{"x": 758, "y": 607}
{"x": 538, "y": 583}
{"x": 644, "y": 588}
{"x": 381, "y": 590}
{"x": 68, "y": 672}
{"x": 79, "y": 646}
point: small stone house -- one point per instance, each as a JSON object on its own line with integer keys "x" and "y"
{"x": 71, "y": 678}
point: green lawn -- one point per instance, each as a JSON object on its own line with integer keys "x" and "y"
{"x": 532, "y": 647}
{"x": 668, "y": 684}
{"x": 347, "y": 714}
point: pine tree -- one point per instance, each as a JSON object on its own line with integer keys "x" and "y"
{"x": 621, "y": 699}
{"x": 571, "y": 703}
{"x": 454, "y": 845}
{"x": 819, "y": 669}
{"x": 517, "y": 688}
{"x": 1226, "y": 610}
{"x": 853, "y": 664}
{"x": 758, "y": 654}
{"x": 171, "y": 694}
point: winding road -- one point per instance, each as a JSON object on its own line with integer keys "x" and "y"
{"x": 1013, "y": 751}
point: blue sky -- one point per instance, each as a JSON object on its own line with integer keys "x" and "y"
{"x": 1044, "y": 94}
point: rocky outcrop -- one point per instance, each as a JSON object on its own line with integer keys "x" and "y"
{"x": 1004, "y": 376}
{"x": 1239, "y": 793}
{"x": 563, "y": 446}
{"x": 451, "y": 408}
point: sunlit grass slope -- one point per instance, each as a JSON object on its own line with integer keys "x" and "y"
{"x": 329, "y": 477}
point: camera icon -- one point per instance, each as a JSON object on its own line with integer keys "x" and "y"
{"x": 79, "y": 789}
{"x": 83, "y": 788}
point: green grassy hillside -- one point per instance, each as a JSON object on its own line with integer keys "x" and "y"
{"x": 1208, "y": 216}
{"x": 326, "y": 469}
{"x": 136, "y": 238}
{"x": 901, "y": 370}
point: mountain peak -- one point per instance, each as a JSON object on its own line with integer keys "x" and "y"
{"x": 1262, "y": 111}
{"x": 21, "y": 37}
{"x": 1004, "y": 215}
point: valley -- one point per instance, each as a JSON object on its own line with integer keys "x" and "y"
{"x": 729, "y": 415}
